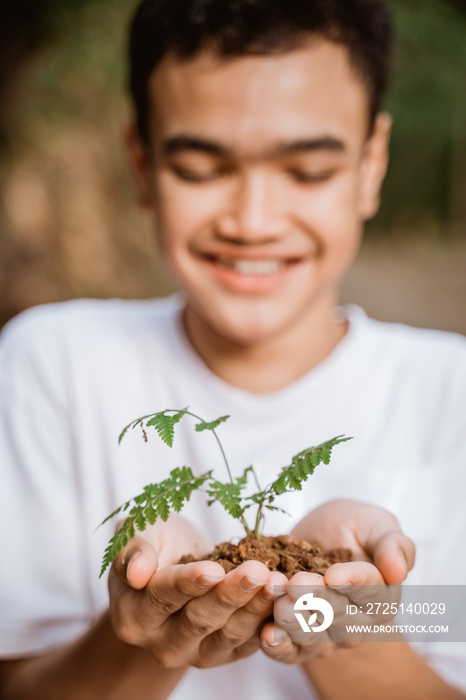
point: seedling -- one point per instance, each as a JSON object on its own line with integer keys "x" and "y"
{"x": 157, "y": 500}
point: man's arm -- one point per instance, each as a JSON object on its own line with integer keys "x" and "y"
{"x": 99, "y": 665}
{"x": 382, "y": 670}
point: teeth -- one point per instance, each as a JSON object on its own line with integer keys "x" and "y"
{"x": 252, "y": 267}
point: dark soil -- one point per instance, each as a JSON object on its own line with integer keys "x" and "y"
{"x": 277, "y": 553}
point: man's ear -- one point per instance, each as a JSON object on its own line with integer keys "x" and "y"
{"x": 374, "y": 166}
{"x": 138, "y": 157}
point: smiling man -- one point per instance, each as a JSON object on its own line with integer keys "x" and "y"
{"x": 259, "y": 146}
{"x": 261, "y": 171}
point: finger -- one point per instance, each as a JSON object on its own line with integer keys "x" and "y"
{"x": 238, "y": 588}
{"x": 168, "y": 590}
{"x": 286, "y": 610}
{"x": 172, "y": 587}
{"x": 360, "y": 583}
{"x": 277, "y": 644}
{"x": 201, "y": 617}
{"x": 244, "y": 624}
{"x": 392, "y": 552}
{"x": 277, "y": 584}
{"x": 394, "y": 555}
{"x": 136, "y": 563}
{"x": 264, "y": 598}
{"x": 341, "y": 577}
{"x": 146, "y": 617}
{"x": 296, "y": 584}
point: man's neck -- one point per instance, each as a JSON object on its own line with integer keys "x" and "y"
{"x": 274, "y": 363}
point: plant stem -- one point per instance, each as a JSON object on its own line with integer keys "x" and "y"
{"x": 218, "y": 442}
{"x": 242, "y": 519}
{"x": 257, "y": 534}
{"x": 255, "y": 477}
{"x": 256, "y": 531}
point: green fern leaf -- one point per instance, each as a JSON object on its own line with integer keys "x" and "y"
{"x": 164, "y": 509}
{"x": 279, "y": 485}
{"x": 303, "y": 465}
{"x": 178, "y": 416}
{"x": 140, "y": 521}
{"x": 294, "y": 481}
{"x": 176, "y": 500}
{"x": 156, "y": 501}
{"x": 165, "y": 426}
{"x": 211, "y": 426}
{"x": 150, "y": 514}
{"x": 277, "y": 508}
{"x": 229, "y": 495}
{"x": 126, "y": 428}
{"x": 243, "y": 480}
{"x": 326, "y": 456}
{"x": 112, "y": 515}
{"x": 258, "y": 497}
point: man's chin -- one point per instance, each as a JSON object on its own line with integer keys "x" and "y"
{"x": 248, "y": 325}
{"x": 249, "y": 332}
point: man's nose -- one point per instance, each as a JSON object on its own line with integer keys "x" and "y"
{"x": 254, "y": 212}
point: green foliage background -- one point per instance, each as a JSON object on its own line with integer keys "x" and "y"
{"x": 428, "y": 102}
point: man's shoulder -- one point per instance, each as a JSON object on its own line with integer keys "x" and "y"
{"x": 86, "y": 318}
{"x": 432, "y": 363}
{"x": 399, "y": 339}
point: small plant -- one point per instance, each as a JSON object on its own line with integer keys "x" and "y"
{"x": 157, "y": 500}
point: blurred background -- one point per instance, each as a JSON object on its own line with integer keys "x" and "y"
{"x": 68, "y": 223}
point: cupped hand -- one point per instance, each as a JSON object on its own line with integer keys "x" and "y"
{"x": 373, "y": 534}
{"x": 187, "y": 614}
{"x": 383, "y": 555}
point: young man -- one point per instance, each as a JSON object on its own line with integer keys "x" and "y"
{"x": 259, "y": 145}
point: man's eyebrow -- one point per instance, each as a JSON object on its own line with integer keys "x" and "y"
{"x": 182, "y": 142}
{"x": 175, "y": 144}
{"x": 320, "y": 143}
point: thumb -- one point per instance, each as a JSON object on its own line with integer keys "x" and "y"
{"x": 394, "y": 555}
{"x": 136, "y": 563}
{"x": 380, "y": 535}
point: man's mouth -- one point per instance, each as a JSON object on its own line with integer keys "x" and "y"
{"x": 257, "y": 268}
{"x": 252, "y": 274}
{"x": 252, "y": 266}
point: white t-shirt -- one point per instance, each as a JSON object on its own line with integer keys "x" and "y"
{"x": 72, "y": 375}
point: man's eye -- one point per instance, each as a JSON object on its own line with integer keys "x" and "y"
{"x": 197, "y": 175}
{"x": 310, "y": 177}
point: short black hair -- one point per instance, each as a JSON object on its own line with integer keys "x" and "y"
{"x": 235, "y": 28}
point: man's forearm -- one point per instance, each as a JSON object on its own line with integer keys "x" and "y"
{"x": 382, "y": 670}
{"x": 96, "y": 666}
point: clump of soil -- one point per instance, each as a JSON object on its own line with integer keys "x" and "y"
{"x": 277, "y": 553}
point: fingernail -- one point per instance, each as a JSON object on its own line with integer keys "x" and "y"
{"x": 133, "y": 558}
{"x": 208, "y": 581}
{"x": 279, "y": 637}
{"x": 267, "y": 594}
{"x": 343, "y": 588}
{"x": 249, "y": 584}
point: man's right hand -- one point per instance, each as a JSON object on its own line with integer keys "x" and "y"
{"x": 187, "y": 614}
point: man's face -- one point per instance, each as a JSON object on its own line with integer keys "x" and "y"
{"x": 260, "y": 175}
